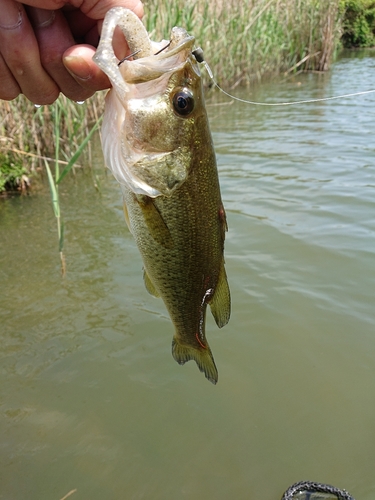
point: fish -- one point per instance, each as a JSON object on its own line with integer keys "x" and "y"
{"x": 156, "y": 141}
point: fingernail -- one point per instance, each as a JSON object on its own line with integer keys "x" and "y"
{"x": 77, "y": 67}
{"x": 41, "y": 18}
{"x": 11, "y": 16}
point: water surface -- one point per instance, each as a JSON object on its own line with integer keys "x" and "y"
{"x": 91, "y": 398}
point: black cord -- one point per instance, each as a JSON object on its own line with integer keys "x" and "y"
{"x": 313, "y": 487}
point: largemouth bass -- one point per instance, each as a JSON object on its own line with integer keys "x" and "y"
{"x": 157, "y": 142}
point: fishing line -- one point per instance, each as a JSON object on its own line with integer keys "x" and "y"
{"x": 198, "y": 54}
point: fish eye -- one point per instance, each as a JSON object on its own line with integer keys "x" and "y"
{"x": 183, "y": 102}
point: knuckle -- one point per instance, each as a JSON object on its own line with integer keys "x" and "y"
{"x": 50, "y": 58}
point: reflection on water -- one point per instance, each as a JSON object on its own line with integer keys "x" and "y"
{"x": 91, "y": 398}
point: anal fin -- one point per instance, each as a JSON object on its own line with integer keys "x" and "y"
{"x": 220, "y": 301}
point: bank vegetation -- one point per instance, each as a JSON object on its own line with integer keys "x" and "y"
{"x": 243, "y": 42}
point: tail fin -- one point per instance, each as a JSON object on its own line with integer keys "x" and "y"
{"x": 202, "y": 356}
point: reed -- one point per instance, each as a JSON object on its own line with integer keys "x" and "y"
{"x": 55, "y": 179}
{"x": 27, "y": 133}
{"x": 53, "y": 139}
{"x": 248, "y": 40}
{"x": 244, "y": 41}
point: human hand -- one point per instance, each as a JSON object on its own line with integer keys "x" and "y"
{"x": 46, "y": 47}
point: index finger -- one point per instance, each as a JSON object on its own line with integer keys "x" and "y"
{"x": 92, "y": 8}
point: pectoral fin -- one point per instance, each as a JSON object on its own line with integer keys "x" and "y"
{"x": 155, "y": 222}
{"x": 126, "y": 214}
{"x": 220, "y": 302}
{"x": 149, "y": 284}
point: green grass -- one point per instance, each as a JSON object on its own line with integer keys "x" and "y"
{"x": 243, "y": 41}
{"x": 13, "y": 174}
{"x": 358, "y": 23}
{"x": 249, "y": 40}
{"x": 28, "y": 134}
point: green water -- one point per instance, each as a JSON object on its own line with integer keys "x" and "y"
{"x": 91, "y": 398}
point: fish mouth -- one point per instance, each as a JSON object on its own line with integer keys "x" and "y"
{"x": 172, "y": 58}
{"x": 150, "y": 59}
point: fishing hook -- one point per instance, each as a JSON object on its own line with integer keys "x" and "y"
{"x": 128, "y": 57}
{"x": 161, "y": 50}
{"x": 136, "y": 52}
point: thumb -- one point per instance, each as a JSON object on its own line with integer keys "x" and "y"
{"x": 100, "y": 8}
{"x": 78, "y": 61}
